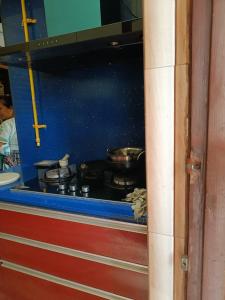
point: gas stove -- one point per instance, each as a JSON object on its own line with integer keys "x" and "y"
{"x": 93, "y": 179}
{"x": 75, "y": 190}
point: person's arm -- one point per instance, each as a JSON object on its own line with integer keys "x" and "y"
{"x": 1, "y": 144}
{"x": 4, "y": 134}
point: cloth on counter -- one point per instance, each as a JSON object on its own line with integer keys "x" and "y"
{"x": 139, "y": 199}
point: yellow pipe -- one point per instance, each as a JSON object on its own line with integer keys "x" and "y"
{"x": 31, "y": 76}
{"x": 24, "y": 18}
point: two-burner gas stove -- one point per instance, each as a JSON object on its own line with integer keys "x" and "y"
{"x": 92, "y": 179}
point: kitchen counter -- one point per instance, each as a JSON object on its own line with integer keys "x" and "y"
{"x": 114, "y": 210}
{"x": 99, "y": 237}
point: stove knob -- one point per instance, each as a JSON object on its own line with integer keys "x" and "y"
{"x": 62, "y": 186}
{"x": 62, "y": 192}
{"x": 73, "y": 193}
{"x": 85, "y": 188}
{"x": 73, "y": 187}
{"x": 86, "y": 195}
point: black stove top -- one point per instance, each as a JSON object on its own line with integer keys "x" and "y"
{"x": 85, "y": 191}
{"x": 92, "y": 179}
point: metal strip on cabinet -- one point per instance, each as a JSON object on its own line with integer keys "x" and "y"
{"x": 130, "y": 227}
{"x": 76, "y": 253}
{"x": 61, "y": 281}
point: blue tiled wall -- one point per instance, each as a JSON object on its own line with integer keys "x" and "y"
{"x": 94, "y": 106}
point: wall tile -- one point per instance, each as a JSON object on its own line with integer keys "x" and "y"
{"x": 159, "y": 33}
{"x": 159, "y": 113}
{"x": 161, "y": 267}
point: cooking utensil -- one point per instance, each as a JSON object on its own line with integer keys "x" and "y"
{"x": 123, "y": 165}
{"x": 64, "y": 161}
{"x": 125, "y": 154}
{"x": 125, "y": 158}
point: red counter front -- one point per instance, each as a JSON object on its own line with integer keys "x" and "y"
{"x": 84, "y": 257}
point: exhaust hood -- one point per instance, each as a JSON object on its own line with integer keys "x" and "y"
{"x": 65, "y": 50}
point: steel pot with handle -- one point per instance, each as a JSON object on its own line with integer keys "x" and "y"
{"x": 125, "y": 154}
{"x": 125, "y": 158}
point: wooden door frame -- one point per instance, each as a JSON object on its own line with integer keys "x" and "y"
{"x": 200, "y": 68}
{"x": 213, "y": 283}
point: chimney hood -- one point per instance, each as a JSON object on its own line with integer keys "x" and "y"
{"x": 64, "y": 50}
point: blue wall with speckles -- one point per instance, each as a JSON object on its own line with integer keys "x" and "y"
{"x": 94, "y": 106}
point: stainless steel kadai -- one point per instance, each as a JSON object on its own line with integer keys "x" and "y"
{"x": 125, "y": 154}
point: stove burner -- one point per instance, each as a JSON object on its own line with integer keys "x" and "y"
{"x": 58, "y": 173}
{"x": 57, "y": 177}
{"x": 123, "y": 180}
{"x": 122, "y": 188}
{"x": 55, "y": 181}
{"x": 120, "y": 181}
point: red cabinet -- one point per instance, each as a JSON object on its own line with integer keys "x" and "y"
{"x": 18, "y": 286}
{"x": 100, "y": 258}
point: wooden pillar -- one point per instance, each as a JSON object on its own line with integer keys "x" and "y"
{"x": 166, "y": 70}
